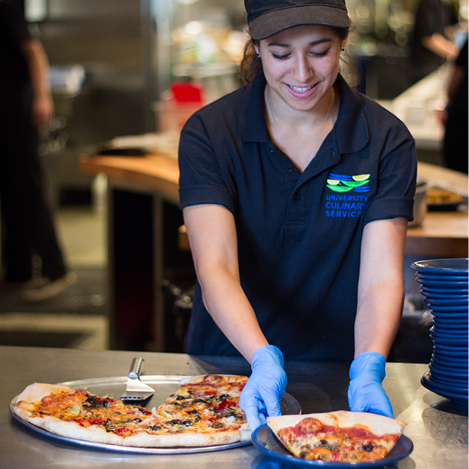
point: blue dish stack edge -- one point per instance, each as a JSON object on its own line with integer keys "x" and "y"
{"x": 444, "y": 286}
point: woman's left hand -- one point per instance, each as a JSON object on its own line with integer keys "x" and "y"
{"x": 365, "y": 392}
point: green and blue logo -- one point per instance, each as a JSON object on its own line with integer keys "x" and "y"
{"x": 341, "y": 183}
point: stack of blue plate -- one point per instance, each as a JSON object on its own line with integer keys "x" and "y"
{"x": 444, "y": 285}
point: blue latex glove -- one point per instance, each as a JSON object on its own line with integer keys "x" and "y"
{"x": 365, "y": 392}
{"x": 265, "y": 387}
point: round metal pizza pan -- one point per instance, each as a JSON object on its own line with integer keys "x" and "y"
{"x": 164, "y": 386}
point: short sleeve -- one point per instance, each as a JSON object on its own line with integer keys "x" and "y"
{"x": 396, "y": 178}
{"x": 202, "y": 179}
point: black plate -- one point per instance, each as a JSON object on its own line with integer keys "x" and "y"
{"x": 264, "y": 440}
{"x": 449, "y": 207}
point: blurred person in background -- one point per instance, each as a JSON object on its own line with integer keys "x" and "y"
{"x": 455, "y": 145}
{"x": 28, "y": 230}
{"x": 431, "y": 43}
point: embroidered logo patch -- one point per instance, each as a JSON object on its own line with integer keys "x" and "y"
{"x": 342, "y": 183}
{"x": 342, "y": 205}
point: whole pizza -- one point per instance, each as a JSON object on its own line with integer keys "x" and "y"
{"x": 204, "y": 411}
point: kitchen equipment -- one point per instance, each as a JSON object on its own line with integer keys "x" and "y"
{"x": 136, "y": 390}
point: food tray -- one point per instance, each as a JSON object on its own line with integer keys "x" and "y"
{"x": 163, "y": 386}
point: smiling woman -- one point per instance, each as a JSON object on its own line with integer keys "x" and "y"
{"x": 296, "y": 191}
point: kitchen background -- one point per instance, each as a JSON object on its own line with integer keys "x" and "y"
{"x": 114, "y": 60}
{"x": 112, "y": 64}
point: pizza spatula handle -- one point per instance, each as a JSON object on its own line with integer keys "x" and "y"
{"x": 135, "y": 368}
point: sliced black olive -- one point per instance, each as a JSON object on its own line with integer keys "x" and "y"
{"x": 192, "y": 412}
{"x": 154, "y": 428}
{"x": 178, "y": 397}
{"x": 197, "y": 419}
{"x": 326, "y": 445}
{"x": 368, "y": 447}
{"x": 137, "y": 420}
{"x": 108, "y": 426}
{"x": 217, "y": 425}
{"x": 91, "y": 402}
{"x": 187, "y": 423}
{"x": 223, "y": 396}
{"x": 173, "y": 422}
{"x": 199, "y": 401}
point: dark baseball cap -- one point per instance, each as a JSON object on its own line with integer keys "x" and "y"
{"x": 266, "y": 17}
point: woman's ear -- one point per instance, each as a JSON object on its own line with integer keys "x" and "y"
{"x": 343, "y": 43}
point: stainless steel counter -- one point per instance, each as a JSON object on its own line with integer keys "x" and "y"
{"x": 437, "y": 428}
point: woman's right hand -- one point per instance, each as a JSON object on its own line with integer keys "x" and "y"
{"x": 262, "y": 394}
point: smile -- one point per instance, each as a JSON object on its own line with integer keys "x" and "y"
{"x": 302, "y": 92}
{"x": 302, "y": 89}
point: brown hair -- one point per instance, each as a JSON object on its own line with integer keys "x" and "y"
{"x": 251, "y": 64}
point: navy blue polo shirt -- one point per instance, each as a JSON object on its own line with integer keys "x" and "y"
{"x": 299, "y": 234}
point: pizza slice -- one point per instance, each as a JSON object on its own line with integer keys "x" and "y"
{"x": 340, "y": 436}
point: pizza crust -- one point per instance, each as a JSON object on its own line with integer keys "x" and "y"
{"x": 188, "y": 439}
{"x": 213, "y": 379}
{"x": 378, "y": 424}
{"x": 36, "y": 391}
{"x": 73, "y": 430}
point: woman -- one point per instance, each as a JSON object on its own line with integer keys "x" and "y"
{"x": 296, "y": 193}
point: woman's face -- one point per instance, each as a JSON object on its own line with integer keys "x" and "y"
{"x": 301, "y": 64}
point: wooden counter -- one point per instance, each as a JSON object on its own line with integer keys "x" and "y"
{"x": 442, "y": 234}
{"x": 143, "y": 248}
